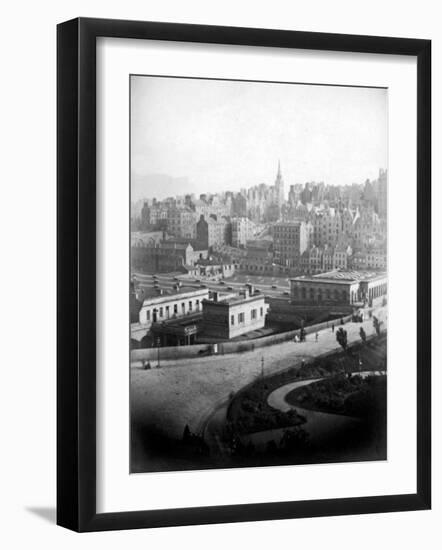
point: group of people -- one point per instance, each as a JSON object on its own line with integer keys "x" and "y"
{"x": 146, "y": 365}
{"x": 301, "y": 335}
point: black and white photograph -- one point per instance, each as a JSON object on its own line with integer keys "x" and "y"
{"x": 258, "y": 273}
{"x": 220, "y": 247}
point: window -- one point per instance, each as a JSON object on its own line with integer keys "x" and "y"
{"x": 183, "y": 307}
{"x": 167, "y": 312}
{"x": 253, "y": 314}
{"x": 175, "y": 308}
{"x": 190, "y": 306}
{"x": 148, "y": 315}
{"x": 232, "y": 320}
{"x": 197, "y": 304}
{"x": 240, "y": 318}
{"x": 161, "y": 311}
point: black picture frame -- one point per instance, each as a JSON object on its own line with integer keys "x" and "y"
{"x": 76, "y": 273}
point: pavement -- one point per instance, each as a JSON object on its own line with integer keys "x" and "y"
{"x": 186, "y": 391}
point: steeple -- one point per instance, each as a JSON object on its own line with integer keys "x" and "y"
{"x": 279, "y": 185}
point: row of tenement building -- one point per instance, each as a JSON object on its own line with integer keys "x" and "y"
{"x": 260, "y": 204}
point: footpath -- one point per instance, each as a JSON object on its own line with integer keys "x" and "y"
{"x": 183, "y": 391}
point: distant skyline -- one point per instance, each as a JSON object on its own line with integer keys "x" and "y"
{"x": 207, "y": 136}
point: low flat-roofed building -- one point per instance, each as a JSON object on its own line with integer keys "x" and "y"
{"x": 185, "y": 301}
{"x": 339, "y": 287}
{"x": 176, "y": 332}
{"x": 166, "y": 255}
{"x": 216, "y": 267}
{"x": 229, "y": 316}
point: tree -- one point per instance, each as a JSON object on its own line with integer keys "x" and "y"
{"x": 341, "y": 337}
{"x": 377, "y": 325}
{"x": 186, "y": 434}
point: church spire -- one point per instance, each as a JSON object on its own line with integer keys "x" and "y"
{"x": 279, "y": 185}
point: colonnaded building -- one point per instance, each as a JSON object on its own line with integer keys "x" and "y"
{"x": 350, "y": 288}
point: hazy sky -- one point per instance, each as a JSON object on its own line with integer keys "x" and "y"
{"x": 224, "y": 135}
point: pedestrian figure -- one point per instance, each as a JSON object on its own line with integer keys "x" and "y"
{"x": 333, "y": 327}
{"x": 316, "y": 337}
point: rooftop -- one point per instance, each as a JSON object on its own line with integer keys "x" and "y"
{"x": 343, "y": 276}
{"x": 235, "y": 298}
{"x": 289, "y": 224}
{"x": 182, "y": 292}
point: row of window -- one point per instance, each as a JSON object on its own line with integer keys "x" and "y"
{"x": 253, "y": 267}
{"x": 328, "y": 294}
{"x": 164, "y": 312}
{"x": 242, "y": 316}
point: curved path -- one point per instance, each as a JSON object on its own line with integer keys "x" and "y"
{"x": 319, "y": 424}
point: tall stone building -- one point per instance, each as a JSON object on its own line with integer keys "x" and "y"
{"x": 239, "y": 204}
{"x": 243, "y": 230}
{"x": 327, "y": 227}
{"x": 290, "y": 240}
{"x": 181, "y": 222}
{"x": 213, "y": 231}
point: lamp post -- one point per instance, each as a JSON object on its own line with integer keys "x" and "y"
{"x": 158, "y": 351}
{"x": 262, "y": 378}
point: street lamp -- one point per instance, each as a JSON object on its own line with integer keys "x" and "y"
{"x": 158, "y": 351}
{"x": 262, "y": 378}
